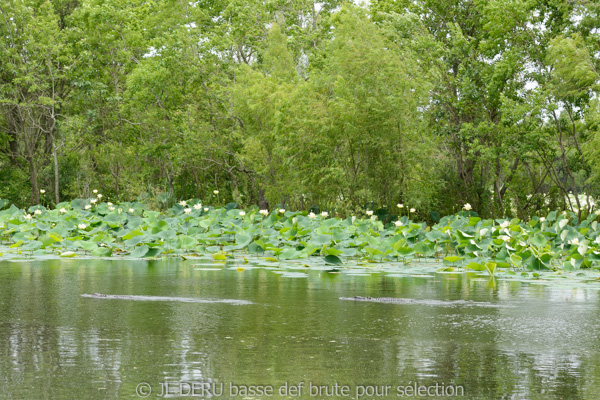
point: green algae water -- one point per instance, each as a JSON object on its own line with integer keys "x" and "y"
{"x": 296, "y": 339}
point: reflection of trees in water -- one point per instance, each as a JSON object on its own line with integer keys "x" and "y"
{"x": 298, "y": 331}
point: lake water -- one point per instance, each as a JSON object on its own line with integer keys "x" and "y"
{"x": 528, "y": 341}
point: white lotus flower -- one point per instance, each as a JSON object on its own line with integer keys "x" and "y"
{"x": 187, "y": 210}
{"x": 109, "y": 204}
{"x": 205, "y": 209}
{"x": 324, "y": 214}
{"x": 312, "y": 215}
{"x": 574, "y": 241}
{"x": 95, "y": 191}
{"x": 467, "y": 207}
{"x": 282, "y": 210}
{"x": 542, "y": 219}
{"x": 93, "y": 201}
{"x": 369, "y": 212}
{"x": 400, "y": 205}
{"x": 81, "y": 226}
{"x": 111, "y": 208}
{"x": 294, "y": 221}
{"x": 27, "y": 216}
{"x": 131, "y": 210}
{"x": 99, "y": 196}
{"x": 197, "y": 206}
{"x": 412, "y": 210}
{"x": 264, "y": 212}
{"x": 42, "y": 191}
{"x": 597, "y": 212}
{"x": 62, "y": 211}
{"x": 215, "y": 192}
{"x": 353, "y": 218}
{"x": 38, "y": 212}
{"x": 183, "y": 203}
{"x": 398, "y": 223}
{"x": 242, "y": 213}
{"x": 88, "y": 206}
{"x": 505, "y": 224}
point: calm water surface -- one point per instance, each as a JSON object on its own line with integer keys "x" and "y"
{"x": 533, "y": 342}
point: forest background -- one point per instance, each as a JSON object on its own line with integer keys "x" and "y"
{"x": 325, "y": 105}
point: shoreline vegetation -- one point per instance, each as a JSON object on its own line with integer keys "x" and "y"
{"x": 431, "y": 103}
{"x": 558, "y": 243}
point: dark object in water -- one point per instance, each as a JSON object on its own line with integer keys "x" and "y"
{"x": 164, "y": 298}
{"x": 441, "y": 303}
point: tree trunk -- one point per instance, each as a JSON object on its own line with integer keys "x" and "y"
{"x": 35, "y": 193}
{"x": 56, "y": 186}
{"x": 262, "y": 202}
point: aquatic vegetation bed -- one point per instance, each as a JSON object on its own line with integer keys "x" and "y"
{"x": 90, "y": 227}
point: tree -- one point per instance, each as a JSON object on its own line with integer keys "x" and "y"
{"x": 348, "y": 135}
{"x": 33, "y": 86}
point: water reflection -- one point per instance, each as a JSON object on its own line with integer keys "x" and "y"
{"x": 56, "y": 344}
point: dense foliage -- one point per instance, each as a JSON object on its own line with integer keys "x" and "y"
{"x": 93, "y": 227}
{"x": 429, "y": 103}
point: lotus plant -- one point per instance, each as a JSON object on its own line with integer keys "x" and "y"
{"x": 556, "y": 243}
